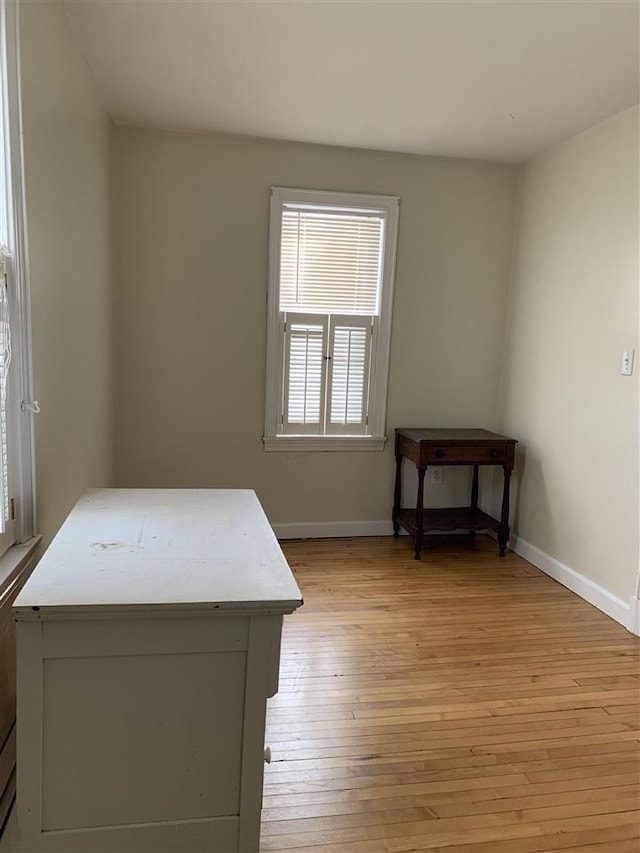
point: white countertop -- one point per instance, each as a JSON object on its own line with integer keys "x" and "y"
{"x": 148, "y": 549}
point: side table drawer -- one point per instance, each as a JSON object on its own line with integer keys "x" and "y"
{"x": 466, "y": 455}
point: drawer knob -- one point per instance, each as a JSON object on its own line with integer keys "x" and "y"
{"x": 267, "y": 755}
{"x": 494, "y": 452}
{"x": 439, "y": 453}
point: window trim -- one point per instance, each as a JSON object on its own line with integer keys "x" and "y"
{"x": 275, "y": 340}
{"x": 22, "y": 457}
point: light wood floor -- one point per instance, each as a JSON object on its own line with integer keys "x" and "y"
{"x": 463, "y": 703}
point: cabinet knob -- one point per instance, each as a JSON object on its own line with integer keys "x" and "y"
{"x": 267, "y": 754}
{"x": 494, "y": 452}
{"x": 439, "y": 453}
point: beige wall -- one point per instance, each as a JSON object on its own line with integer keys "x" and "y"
{"x": 191, "y": 214}
{"x": 574, "y": 309}
{"x": 67, "y": 163}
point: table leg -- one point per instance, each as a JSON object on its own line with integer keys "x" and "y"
{"x": 397, "y": 495}
{"x": 503, "y": 533}
{"x": 474, "y": 494}
{"x": 474, "y": 488}
{"x": 417, "y": 541}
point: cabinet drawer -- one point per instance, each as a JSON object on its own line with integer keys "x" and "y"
{"x": 466, "y": 455}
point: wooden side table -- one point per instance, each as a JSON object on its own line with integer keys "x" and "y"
{"x": 442, "y": 447}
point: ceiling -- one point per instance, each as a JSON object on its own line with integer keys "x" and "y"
{"x": 500, "y": 80}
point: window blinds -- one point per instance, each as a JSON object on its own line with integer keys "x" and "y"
{"x": 331, "y": 261}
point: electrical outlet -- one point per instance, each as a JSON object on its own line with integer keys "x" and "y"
{"x": 436, "y": 476}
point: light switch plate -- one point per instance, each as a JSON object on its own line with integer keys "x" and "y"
{"x": 628, "y": 356}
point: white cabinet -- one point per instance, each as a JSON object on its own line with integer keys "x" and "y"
{"x": 148, "y": 644}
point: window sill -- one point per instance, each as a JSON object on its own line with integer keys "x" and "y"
{"x": 324, "y": 442}
{"x": 14, "y": 563}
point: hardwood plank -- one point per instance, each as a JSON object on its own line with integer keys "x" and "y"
{"x": 424, "y": 721}
{"x": 629, "y": 846}
{"x": 559, "y": 800}
{"x": 357, "y": 732}
{"x": 315, "y": 781}
{"x": 357, "y": 775}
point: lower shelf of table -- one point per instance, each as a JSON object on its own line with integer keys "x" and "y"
{"x": 457, "y": 518}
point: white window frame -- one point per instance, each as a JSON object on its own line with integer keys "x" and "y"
{"x": 274, "y": 438}
{"x": 21, "y": 406}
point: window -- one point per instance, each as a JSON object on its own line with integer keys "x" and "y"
{"x": 331, "y": 267}
{"x": 16, "y": 470}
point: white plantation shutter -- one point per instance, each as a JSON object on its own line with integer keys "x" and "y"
{"x": 351, "y": 341}
{"x": 330, "y": 261}
{"x": 305, "y": 373}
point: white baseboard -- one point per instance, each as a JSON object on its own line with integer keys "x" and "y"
{"x": 634, "y": 618}
{"x": 626, "y": 613}
{"x": 332, "y": 529}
